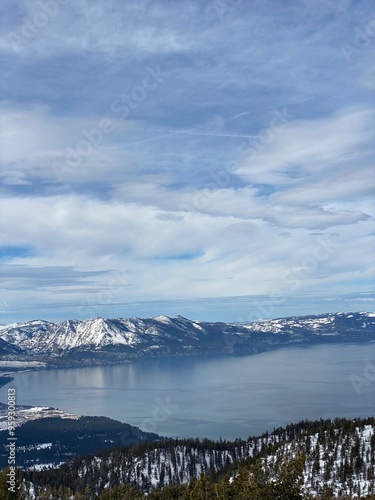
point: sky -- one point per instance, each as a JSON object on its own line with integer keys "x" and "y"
{"x": 211, "y": 159}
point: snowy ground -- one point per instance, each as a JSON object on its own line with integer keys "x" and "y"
{"x": 23, "y": 415}
{"x": 21, "y": 364}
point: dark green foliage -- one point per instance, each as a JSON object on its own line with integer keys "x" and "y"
{"x": 70, "y": 437}
{"x": 123, "y": 492}
{"x": 5, "y": 492}
{"x": 269, "y": 467}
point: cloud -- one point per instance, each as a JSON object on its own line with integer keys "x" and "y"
{"x": 93, "y": 234}
{"x": 34, "y": 141}
{"x": 300, "y": 150}
{"x": 221, "y": 180}
{"x": 144, "y": 27}
{"x": 20, "y": 277}
{"x": 349, "y": 184}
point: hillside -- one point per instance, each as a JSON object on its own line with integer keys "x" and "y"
{"x": 57, "y": 437}
{"x": 332, "y": 458}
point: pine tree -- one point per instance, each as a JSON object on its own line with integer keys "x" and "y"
{"x": 203, "y": 489}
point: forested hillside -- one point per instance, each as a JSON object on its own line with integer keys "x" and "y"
{"x": 321, "y": 459}
{"x": 55, "y": 440}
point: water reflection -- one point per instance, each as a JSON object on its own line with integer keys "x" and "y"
{"x": 213, "y": 397}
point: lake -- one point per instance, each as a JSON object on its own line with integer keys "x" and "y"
{"x": 215, "y": 397}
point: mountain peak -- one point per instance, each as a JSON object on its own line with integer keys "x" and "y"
{"x": 163, "y": 319}
{"x": 102, "y": 340}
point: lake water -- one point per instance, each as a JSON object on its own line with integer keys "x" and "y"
{"x": 215, "y": 397}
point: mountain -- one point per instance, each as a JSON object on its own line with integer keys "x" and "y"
{"x": 101, "y": 340}
{"x": 332, "y": 458}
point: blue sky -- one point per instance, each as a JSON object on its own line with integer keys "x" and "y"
{"x": 210, "y": 159}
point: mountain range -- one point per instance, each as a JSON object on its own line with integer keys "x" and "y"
{"x": 101, "y": 340}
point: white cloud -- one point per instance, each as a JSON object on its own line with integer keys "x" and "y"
{"x": 35, "y": 142}
{"x": 159, "y": 196}
{"x": 167, "y": 257}
{"x": 348, "y": 184}
{"x": 91, "y": 26}
{"x": 304, "y": 150}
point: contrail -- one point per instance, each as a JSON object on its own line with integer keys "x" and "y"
{"x": 191, "y": 131}
{"x": 240, "y": 114}
{"x": 147, "y": 140}
{"x": 180, "y": 132}
{"x": 194, "y": 130}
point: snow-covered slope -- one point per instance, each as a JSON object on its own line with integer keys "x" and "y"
{"x": 108, "y": 340}
{"x": 339, "y": 459}
{"x": 343, "y": 462}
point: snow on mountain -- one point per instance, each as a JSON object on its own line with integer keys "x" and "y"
{"x": 50, "y": 338}
{"x": 25, "y": 414}
{"x": 109, "y": 340}
{"x": 338, "y": 459}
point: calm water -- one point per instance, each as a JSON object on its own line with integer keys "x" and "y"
{"x": 215, "y": 397}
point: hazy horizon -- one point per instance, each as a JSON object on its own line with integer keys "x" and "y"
{"x": 247, "y": 310}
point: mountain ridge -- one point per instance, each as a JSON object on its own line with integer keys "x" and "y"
{"x": 338, "y": 460}
{"x": 104, "y": 340}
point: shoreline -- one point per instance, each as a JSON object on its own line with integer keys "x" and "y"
{"x": 9, "y": 370}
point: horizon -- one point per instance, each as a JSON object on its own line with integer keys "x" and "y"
{"x": 241, "y": 320}
{"x": 191, "y": 158}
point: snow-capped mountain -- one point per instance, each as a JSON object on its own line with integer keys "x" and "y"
{"x": 102, "y": 340}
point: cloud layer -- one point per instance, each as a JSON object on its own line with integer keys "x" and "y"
{"x": 155, "y": 152}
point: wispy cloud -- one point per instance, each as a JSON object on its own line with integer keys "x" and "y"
{"x": 215, "y": 182}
